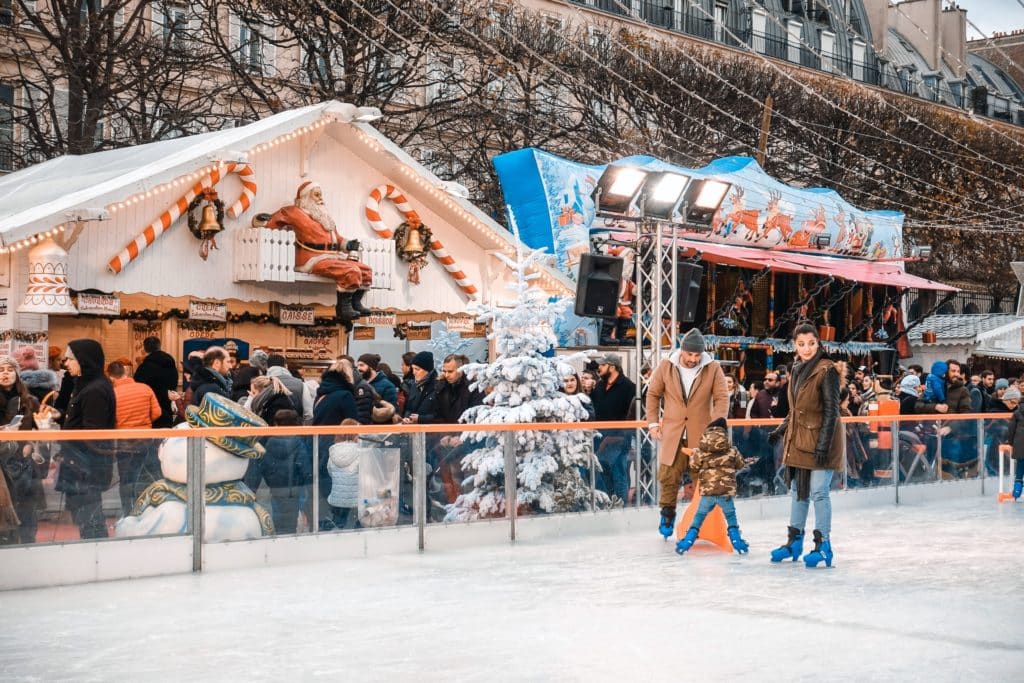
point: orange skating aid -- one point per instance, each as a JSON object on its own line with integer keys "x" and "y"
{"x": 714, "y": 529}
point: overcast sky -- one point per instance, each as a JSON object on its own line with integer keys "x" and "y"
{"x": 992, "y": 15}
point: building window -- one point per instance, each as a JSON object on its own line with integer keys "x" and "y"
{"x": 860, "y": 52}
{"x": 720, "y": 25}
{"x": 6, "y": 127}
{"x": 251, "y": 41}
{"x": 828, "y": 50}
{"x": 759, "y": 24}
{"x": 176, "y": 22}
{"x": 794, "y": 29}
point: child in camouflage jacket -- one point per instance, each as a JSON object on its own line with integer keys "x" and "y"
{"x": 714, "y": 464}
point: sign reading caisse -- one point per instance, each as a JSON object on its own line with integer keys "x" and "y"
{"x": 297, "y": 315}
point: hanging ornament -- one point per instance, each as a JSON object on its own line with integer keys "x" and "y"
{"x": 47, "y": 290}
{"x": 212, "y": 222}
{"x": 411, "y": 240}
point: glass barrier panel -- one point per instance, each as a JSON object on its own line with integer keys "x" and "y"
{"x": 995, "y": 445}
{"x": 282, "y": 480}
{"x": 365, "y": 480}
{"x": 453, "y": 461}
{"x": 69, "y": 490}
{"x": 761, "y": 476}
{"x": 957, "y": 449}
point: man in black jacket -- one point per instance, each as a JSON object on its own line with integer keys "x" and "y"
{"x": 159, "y": 372}
{"x": 421, "y": 406}
{"x": 87, "y": 467}
{"x": 454, "y": 397}
{"x": 212, "y": 377}
{"x": 613, "y": 399}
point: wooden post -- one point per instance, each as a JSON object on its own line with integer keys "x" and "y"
{"x": 766, "y": 123}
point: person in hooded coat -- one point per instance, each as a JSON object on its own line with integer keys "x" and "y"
{"x": 87, "y": 467}
{"x": 159, "y": 372}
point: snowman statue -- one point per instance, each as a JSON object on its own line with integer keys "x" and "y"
{"x": 232, "y": 513}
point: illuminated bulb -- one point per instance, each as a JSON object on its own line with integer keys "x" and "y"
{"x": 62, "y": 228}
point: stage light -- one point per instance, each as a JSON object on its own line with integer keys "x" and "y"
{"x": 663, "y": 195}
{"x": 617, "y": 191}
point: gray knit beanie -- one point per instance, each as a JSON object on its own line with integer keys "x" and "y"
{"x": 258, "y": 359}
{"x": 693, "y": 341}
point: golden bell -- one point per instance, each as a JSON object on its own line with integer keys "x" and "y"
{"x": 413, "y": 241}
{"x": 209, "y": 222}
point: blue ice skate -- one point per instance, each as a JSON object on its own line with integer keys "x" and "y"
{"x": 687, "y": 541}
{"x": 822, "y": 551}
{"x": 1017, "y": 486}
{"x": 738, "y": 544}
{"x": 668, "y": 522}
{"x": 793, "y": 549}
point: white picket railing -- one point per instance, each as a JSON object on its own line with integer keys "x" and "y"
{"x": 265, "y": 255}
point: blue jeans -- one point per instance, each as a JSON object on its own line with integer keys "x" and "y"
{"x": 613, "y": 454}
{"x": 1019, "y": 468}
{"x": 707, "y": 503}
{"x": 821, "y": 481}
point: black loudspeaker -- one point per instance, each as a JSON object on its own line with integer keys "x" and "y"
{"x": 886, "y": 361}
{"x": 688, "y": 291}
{"x": 597, "y": 290}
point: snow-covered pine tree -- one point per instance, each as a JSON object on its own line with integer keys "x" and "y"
{"x": 525, "y": 386}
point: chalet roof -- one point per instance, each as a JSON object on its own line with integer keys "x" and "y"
{"x": 40, "y": 197}
{"x": 965, "y": 328}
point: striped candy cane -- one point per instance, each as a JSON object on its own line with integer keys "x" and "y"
{"x": 436, "y": 248}
{"x": 176, "y": 210}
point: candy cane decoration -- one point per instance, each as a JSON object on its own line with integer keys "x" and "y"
{"x": 176, "y": 210}
{"x": 436, "y": 248}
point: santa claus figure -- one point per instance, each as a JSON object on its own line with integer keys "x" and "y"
{"x": 321, "y": 249}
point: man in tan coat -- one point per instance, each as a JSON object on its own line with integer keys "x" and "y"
{"x": 690, "y": 385}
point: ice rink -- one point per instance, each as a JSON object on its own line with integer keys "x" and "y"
{"x": 930, "y": 592}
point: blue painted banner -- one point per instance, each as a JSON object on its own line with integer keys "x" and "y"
{"x": 551, "y": 199}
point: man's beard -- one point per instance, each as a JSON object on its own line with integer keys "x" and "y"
{"x": 367, "y": 374}
{"x": 318, "y": 212}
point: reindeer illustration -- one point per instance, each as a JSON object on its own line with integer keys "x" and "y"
{"x": 741, "y": 216}
{"x": 775, "y": 219}
{"x": 840, "y": 220}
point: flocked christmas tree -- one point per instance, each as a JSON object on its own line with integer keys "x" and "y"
{"x": 525, "y": 386}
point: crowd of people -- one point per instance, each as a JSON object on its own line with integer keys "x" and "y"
{"x": 78, "y": 389}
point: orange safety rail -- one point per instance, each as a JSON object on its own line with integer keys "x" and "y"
{"x": 121, "y": 434}
{"x": 108, "y": 434}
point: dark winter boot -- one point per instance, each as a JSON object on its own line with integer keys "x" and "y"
{"x": 738, "y": 544}
{"x": 668, "y": 522}
{"x": 344, "y": 310}
{"x": 357, "y": 302}
{"x": 794, "y": 546}
{"x": 1017, "y": 486}
{"x": 822, "y": 551}
{"x": 687, "y": 541}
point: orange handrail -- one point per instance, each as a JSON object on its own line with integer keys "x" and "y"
{"x": 122, "y": 434}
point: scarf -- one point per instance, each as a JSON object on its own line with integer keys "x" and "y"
{"x": 226, "y": 493}
{"x": 801, "y": 369}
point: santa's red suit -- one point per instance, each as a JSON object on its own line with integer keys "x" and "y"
{"x": 321, "y": 251}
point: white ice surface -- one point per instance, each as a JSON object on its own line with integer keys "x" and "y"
{"x": 931, "y": 592}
